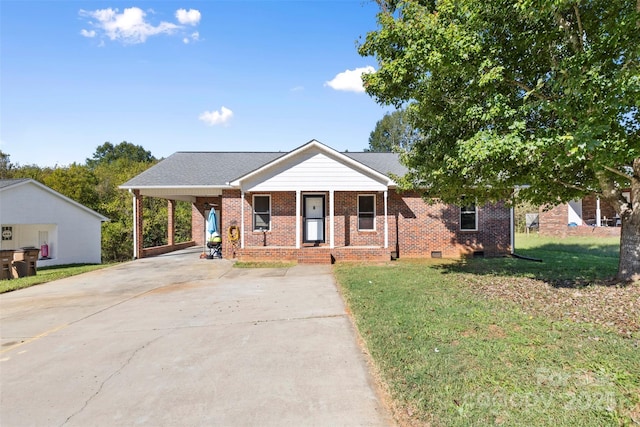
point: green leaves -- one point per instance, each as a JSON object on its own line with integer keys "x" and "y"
{"x": 533, "y": 92}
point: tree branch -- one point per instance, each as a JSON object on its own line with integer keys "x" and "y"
{"x": 580, "y": 29}
{"x": 529, "y": 90}
{"x": 566, "y": 26}
{"x": 616, "y": 171}
{"x": 573, "y": 186}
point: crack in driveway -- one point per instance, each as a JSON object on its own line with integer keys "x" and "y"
{"x": 106, "y": 380}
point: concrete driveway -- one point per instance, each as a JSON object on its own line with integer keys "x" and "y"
{"x": 180, "y": 341}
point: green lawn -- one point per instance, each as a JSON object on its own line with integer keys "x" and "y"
{"x": 48, "y": 274}
{"x": 503, "y": 341}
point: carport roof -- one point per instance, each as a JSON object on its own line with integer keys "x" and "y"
{"x": 217, "y": 169}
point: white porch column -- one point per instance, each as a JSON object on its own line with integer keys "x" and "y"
{"x": 598, "y": 212}
{"x": 241, "y": 219}
{"x": 386, "y": 221}
{"x": 331, "y": 221}
{"x": 298, "y": 219}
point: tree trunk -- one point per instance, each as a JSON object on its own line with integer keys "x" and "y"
{"x": 629, "y": 266}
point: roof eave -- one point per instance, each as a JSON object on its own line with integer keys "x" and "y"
{"x": 154, "y": 187}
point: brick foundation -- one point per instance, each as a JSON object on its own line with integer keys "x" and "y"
{"x": 314, "y": 255}
{"x": 165, "y": 249}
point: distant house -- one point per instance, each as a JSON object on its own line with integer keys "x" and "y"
{"x": 589, "y": 216}
{"x": 34, "y": 215}
{"x": 315, "y": 204}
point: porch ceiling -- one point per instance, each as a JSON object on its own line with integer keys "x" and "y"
{"x": 187, "y": 194}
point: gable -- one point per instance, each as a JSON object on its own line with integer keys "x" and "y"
{"x": 314, "y": 170}
{"x": 30, "y": 202}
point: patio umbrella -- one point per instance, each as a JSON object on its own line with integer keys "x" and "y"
{"x": 213, "y": 224}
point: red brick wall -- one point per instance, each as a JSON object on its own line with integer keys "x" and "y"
{"x": 230, "y": 217}
{"x": 416, "y": 227}
{"x": 165, "y": 249}
{"x": 198, "y": 219}
{"x": 553, "y": 222}
{"x": 283, "y": 225}
{"x": 346, "y": 221}
{"x": 589, "y": 205}
{"x": 421, "y": 228}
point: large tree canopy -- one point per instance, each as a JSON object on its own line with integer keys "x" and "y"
{"x": 108, "y": 153}
{"x": 393, "y": 132}
{"x": 508, "y": 93}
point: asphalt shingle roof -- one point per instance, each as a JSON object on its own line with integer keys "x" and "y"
{"x": 218, "y": 168}
{"x": 8, "y": 182}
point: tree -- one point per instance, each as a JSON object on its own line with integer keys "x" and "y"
{"x": 76, "y": 182}
{"x": 393, "y": 132}
{"x": 5, "y": 165}
{"x": 115, "y": 204}
{"x": 108, "y": 153}
{"x": 518, "y": 92}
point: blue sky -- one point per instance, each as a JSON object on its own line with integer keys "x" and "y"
{"x": 182, "y": 76}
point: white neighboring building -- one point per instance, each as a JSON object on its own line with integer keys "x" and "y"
{"x": 32, "y": 215}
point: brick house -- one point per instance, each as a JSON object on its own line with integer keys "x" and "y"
{"x": 589, "y": 216}
{"x": 315, "y": 204}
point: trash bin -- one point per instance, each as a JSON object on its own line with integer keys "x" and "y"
{"x": 24, "y": 261}
{"x": 6, "y": 258}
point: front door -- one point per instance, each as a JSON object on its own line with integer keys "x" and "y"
{"x": 313, "y": 217}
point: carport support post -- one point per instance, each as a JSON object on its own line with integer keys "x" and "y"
{"x": 171, "y": 219}
{"x": 137, "y": 224}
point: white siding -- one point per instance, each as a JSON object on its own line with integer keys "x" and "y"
{"x": 314, "y": 171}
{"x": 74, "y": 232}
{"x": 575, "y": 212}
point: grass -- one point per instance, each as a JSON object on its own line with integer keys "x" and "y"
{"x": 450, "y": 356}
{"x": 48, "y": 274}
{"x": 573, "y": 261}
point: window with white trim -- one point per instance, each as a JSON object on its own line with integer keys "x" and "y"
{"x": 469, "y": 216}
{"x": 261, "y": 213}
{"x": 366, "y": 212}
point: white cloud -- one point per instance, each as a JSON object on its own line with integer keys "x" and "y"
{"x": 193, "y": 37}
{"x": 132, "y": 26}
{"x": 89, "y": 34}
{"x": 297, "y": 89}
{"x": 350, "y": 80}
{"x": 213, "y": 118}
{"x": 190, "y": 17}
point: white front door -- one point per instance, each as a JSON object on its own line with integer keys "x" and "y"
{"x": 313, "y": 219}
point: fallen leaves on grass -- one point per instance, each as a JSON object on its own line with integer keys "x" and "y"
{"x": 615, "y": 307}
